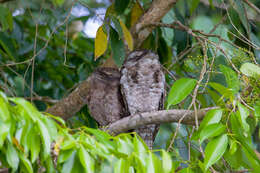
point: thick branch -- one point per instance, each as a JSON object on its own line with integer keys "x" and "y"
{"x": 155, "y": 13}
{"x": 70, "y": 105}
{"x": 157, "y": 117}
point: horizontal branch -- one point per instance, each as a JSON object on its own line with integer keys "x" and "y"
{"x": 156, "y": 117}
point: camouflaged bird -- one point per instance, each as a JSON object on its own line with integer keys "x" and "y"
{"x": 104, "y": 100}
{"x": 143, "y": 88}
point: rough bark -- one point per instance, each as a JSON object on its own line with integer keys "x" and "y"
{"x": 156, "y": 117}
{"x": 154, "y": 14}
{"x": 71, "y": 104}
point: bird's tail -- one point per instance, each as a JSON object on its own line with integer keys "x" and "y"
{"x": 147, "y": 133}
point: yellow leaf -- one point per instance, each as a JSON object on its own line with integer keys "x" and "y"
{"x": 100, "y": 42}
{"x": 127, "y": 36}
{"x": 136, "y": 13}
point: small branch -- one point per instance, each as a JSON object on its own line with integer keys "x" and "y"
{"x": 157, "y": 117}
{"x": 252, "y": 6}
{"x": 43, "y": 99}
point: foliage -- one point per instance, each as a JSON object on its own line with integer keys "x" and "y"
{"x": 214, "y": 63}
{"x": 33, "y": 141}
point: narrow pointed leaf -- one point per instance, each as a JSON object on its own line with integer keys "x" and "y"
{"x": 100, "y": 42}
{"x": 136, "y": 13}
{"x": 180, "y": 90}
{"x": 231, "y": 78}
{"x": 127, "y": 36}
{"x": 166, "y": 162}
{"x": 250, "y": 70}
{"x": 86, "y": 160}
{"x": 243, "y": 114}
{"x": 12, "y": 157}
{"x": 212, "y": 130}
{"x": 214, "y": 150}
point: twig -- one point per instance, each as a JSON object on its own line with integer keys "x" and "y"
{"x": 252, "y": 6}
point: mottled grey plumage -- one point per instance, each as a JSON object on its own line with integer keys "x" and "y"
{"x": 104, "y": 99}
{"x": 143, "y": 87}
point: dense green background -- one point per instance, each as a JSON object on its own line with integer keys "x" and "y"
{"x": 54, "y": 78}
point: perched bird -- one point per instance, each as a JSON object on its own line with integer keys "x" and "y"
{"x": 143, "y": 88}
{"x": 104, "y": 100}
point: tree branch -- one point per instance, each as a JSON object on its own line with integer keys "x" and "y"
{"x": 156, "y": 117}
{"x": 69, "y": 106}
{"x": 155, "y": 13}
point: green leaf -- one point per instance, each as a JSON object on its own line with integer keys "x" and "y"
{"x": 221, "y": 89}
{"x": 124, "y": 146}
{"x": 27, "y": 164}
{"x": 34, "y": 144}
{"x": 231, "y": 78}
{"x": 186, "y": 170}
{"x": 46, "y": 139}
{"x": 214, "y": 150}
{"x": 58, "y": 2}
{"x": 211, "y": 117}
{"x": 194, "y": 5}
{"x": 6, "y": 19}
{"x": 59, "y": 119}
{"x": 233, "y": 146}
{"x": 5, "y": 122}
{"x": 30, "y": 110}
{"x": 250, "y": 70}
{"x": 257, "y": 111}
{"x": 117, "y": 45}
{"x": 7, "y": 45}
{"x": 4, "y": 112}
{"x": 69, "y": 163}
{"x": 211, "y": 130}
{"x": 5, "y": 128}
{"x": 119, "y": 166}
{"x": 149, "y": 164}
{"x": 243, "y": 113}
{"x": 68, "y": 144}
{"x": 51, "y": 126}
{"x": 118, "y": 27}
{"x": 166, "y": 162}
{"x": 238, "y": 6}
{"x": 121, "y": 5}
{"x": 12, "y": 157}
{"x": 86, "y": 160}
{"x": 122, "y": 166}
{"x": 203, "y": 23}
{"x": 180, "y": 90}
{"x": 139, "y": 146}
{"x": 64, "y": 155}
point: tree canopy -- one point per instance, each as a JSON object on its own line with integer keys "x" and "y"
{"x": 210, "y": 54}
